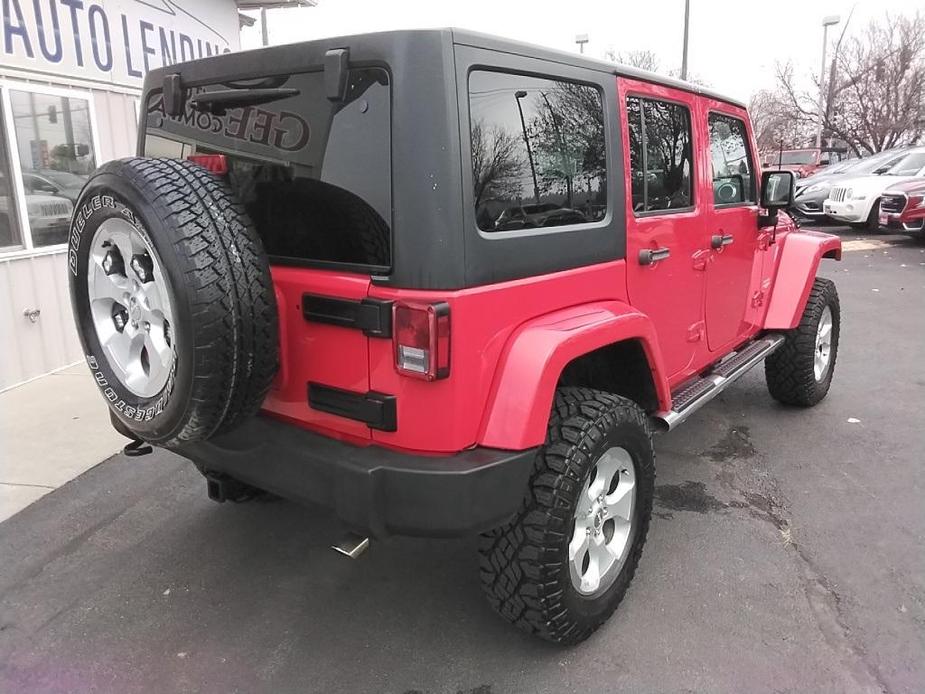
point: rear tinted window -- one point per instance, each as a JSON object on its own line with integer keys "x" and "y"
{"x": 314, "y": 174}
{"x": 538, "y": 154}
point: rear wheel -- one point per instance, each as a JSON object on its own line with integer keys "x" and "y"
{"x": 562, "y": 565}
{"x": 173, "y": 299}
{"x": 800, "y": 371}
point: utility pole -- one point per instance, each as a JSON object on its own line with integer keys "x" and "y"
{"x": 828, "y": 21}
{"x": 687, "y": 23}
{"x": 518, "y": 95}
{"x": 263, "y": 26}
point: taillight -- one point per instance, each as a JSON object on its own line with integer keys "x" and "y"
{"x": 421, "y": 339}
{"x": 216, "y": 163}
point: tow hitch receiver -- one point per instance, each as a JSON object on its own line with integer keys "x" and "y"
{"x": 222, "y": 488}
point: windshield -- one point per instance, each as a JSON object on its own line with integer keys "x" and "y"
{"x": 883, "y": 160}
{"x": 909, "y": 165}
{"x": 841, "y": 166}
{"x": 796, "y": 157}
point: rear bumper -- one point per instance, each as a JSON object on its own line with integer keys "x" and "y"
{"x": 377, "y": 491}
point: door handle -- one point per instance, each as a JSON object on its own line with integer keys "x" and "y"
{"x": 720, "y": 240}
{"x": 649, "y": 256}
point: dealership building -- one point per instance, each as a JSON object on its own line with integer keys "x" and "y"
{"x": 70, "y": 84}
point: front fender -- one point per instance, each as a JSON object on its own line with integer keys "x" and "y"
{"x": 798, "y": 262}
{"x": 535, "y": 355}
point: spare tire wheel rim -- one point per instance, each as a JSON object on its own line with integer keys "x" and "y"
{"x": 604, "y": 523}
{"x": 823, "y": 352}
{"x": 131, "y": 307}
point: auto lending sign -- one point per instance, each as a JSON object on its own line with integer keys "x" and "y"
{"x": 114, "y": 41}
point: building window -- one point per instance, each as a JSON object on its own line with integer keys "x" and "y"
{"x": 10, "y": 236}
{"x": 56, "y": 155}
{"x": 538, "y": 154}
{"x": 733, "y": 178}
{"x": 661, "y": 162}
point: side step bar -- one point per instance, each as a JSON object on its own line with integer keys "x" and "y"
{"x": 696, "y": 393}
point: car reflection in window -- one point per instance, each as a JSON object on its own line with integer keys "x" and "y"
{"x": 536, "y": 216}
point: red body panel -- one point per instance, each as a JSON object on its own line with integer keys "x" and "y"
{"x": 914, "y": 209}
{"x": 737, "y": 270}
{"x": 797, "y": 255}
{"x": 446, "y": 415}
{"x": 529, "y": 370}
{"x": 510, "y": 341}
{"x": 670, "y": 291}
{"x": 314, "y": 352}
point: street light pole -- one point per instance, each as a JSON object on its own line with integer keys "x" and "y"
{"x": 687, "y": 23}
{"x": 561, "y": 145}
{"x": 581, "y": 40}
{"x": 828, "y": 21}
{"x": 518, "y": 95}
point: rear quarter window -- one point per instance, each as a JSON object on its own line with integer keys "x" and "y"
{"x": 313, "y": 174}
{"x": 538, "y": 152}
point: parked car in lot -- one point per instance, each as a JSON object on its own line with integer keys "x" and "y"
{"x": 902, "y": 207}
{"x": 802, "y": 162}
{"x": 856, "y": 201}
{"x": 812, "y": 192}
{"x": 534, "y": 216}
{"x": 409, "y": 366}
{"x": 62, "y": 184}
{"x": 48, "y": 215}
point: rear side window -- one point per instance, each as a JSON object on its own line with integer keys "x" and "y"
{"x": 733, "y": 172}
{"x": 538, "y": 153}
{"x": 313, "y": 174}
{"x": 661, "y": 155}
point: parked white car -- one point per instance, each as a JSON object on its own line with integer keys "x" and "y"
{"x": 856, "y": 201}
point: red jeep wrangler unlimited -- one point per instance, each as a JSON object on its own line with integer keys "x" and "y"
{"x": 459, "y": 280}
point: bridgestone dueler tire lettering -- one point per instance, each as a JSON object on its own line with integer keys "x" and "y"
{"x": 524, "y": 564}
{"x": 789, "y": 371}
{"x": 225, "y": 335}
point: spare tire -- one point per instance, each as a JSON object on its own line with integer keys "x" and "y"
{"x": 173, "y": 299}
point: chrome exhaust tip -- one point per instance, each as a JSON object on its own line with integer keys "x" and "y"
{"x": 351, "y": 545}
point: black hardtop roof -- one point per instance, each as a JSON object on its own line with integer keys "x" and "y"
{"x": 282, "y": 56}
{"x": 477, "y": 39}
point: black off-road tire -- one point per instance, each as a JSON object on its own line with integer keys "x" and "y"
{"x": 789, "y": 371}
{"x": 225, "y": 335}
{"x": 524, "y": 564}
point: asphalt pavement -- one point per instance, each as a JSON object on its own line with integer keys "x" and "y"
{"x": 787, "y": 553}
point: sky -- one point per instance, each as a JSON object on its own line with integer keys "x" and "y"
{"x": 733, "y": 45}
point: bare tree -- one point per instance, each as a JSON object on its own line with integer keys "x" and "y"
{"x": 876, "y": 95}
{"x": 776, "y": 123}
{"x": 497, "y": 168}
{"x": 644, "y": 60}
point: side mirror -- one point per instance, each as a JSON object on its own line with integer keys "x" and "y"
{"x": 776, "y": 193}
{"x": 776, "y": 189}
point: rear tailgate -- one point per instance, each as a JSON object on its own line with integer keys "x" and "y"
{"x": 314, "y": 174}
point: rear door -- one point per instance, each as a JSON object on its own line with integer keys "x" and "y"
{"x": 731, "y": 221}
{"x": 314, "y": 174}
{"x": 665, "y": 237}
